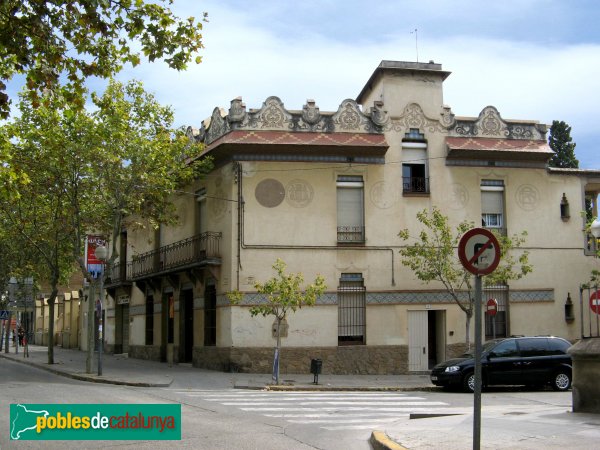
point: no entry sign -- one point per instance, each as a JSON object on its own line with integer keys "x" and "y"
{"x": 595, "y": 302}
{"x": 479, "y": 251}
{"x": 492, "y": 307}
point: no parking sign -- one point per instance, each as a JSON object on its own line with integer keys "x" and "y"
{"x": 479, "y": 251}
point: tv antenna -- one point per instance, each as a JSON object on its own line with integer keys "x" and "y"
{"x": 416, "y": 33}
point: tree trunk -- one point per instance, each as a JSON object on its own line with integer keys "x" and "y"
{"x": 51, "y": 325}
{"x": 278, "y": 356}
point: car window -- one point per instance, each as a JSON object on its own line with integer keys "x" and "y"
{"x": 505, "y": 349}
{"x": 558, "y": 346}
{"x": 534, "y": 347}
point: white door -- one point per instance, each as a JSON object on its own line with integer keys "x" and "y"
{"x": 418, "y": 355}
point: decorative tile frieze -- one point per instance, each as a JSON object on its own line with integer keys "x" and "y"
{"x": 531, "y": 296}
{"x": 404, "y": 297}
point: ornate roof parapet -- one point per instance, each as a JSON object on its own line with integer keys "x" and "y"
{"x": 273, "y": 116}
{"x": 378, "y": 115}
{"x": 414, "y": 117}
{"x": 490, "y": 124}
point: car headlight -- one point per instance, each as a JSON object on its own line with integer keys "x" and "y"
{"x": 451, "y": 369}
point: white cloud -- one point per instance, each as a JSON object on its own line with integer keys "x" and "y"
{"x": 507, "y": 55}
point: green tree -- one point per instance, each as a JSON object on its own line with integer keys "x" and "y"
{"x": 37, "y": 215}
{"x": 433, "y": 258}
{"x": 139, "y": 162}
{"x": 282, "y": 294}
{"x": 562, "y": 145}
{"x": 88, "y": 172}
{"x": 46, "y": 39}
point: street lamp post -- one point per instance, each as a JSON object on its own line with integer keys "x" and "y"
{"x": 101, "y": 254}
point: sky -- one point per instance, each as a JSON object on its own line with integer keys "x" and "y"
{"x": 531, "y": 59}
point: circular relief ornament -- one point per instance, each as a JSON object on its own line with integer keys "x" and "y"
{"x": 383, "y": 195}
{"x": 527, "y": 197}
{"x": 299, "y": 193}
{"x": 456, "y": 196}
{"x": 269, "y": 193}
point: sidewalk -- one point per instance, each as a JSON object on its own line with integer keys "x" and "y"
{"x": 539, "y": 426}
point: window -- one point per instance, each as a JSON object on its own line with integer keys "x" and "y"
{"x": 200, "y": 222}
{"x": 534, "y": 347}
{"x": 351, "y": 309}
{"x": 350, "y": 209}
{"x": 414, "y": 163}
{"x": 505, "y": 349}
{"x": 149, "y": 320}
{"x": 492, "y": 205}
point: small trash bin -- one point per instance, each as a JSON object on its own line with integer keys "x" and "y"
{"x": 315, "y": 368}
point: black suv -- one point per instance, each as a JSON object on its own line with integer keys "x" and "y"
{"x": 530, "y": 361}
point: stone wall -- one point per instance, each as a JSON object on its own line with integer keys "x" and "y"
{"x": 150, "y": 352}
{"x": 375, "y": 360}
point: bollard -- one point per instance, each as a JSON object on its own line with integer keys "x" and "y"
{"x": 315, "y": 368}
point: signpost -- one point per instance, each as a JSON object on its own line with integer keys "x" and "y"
{"x": 491, "y": 310}
{"x": 479, "y": 253}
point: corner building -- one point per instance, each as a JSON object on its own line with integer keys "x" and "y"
{"x": 328, "y": 192}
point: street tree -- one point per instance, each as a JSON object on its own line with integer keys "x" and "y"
{"x": 282, "y": 294}
{"x": 139, "y": 163}
{"x": 433, "y": 258}
{"x": 86, "y": 172}
{"x": 562, "y": 145}
{"x": 45, "y": 151}
{"x": 47, "y": 40}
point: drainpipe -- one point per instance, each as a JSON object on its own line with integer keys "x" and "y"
{"x": 240, "y": 207}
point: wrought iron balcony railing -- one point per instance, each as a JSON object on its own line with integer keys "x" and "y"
{"x": 118, "y": 273}
{"x": 194, "y": 251}
{"x": 202, "y": 249}
{"x": 418, "y": 185}
{"x": 350, "y": 235}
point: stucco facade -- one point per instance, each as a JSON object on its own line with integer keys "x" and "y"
{"x": 328, "y": 192}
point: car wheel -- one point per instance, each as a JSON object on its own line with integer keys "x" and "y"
{"x": 561, "y": 381}
{"x": 469, "y": 382}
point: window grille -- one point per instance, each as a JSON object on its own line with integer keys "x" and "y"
{"x": 351, "y": 310}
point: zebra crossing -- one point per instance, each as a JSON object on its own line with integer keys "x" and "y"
{"x": 341, "y": 410}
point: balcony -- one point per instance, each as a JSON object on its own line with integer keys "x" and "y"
{"x": 350, "y": 235}
{"x": 197, "y": 251}
{"x": 415, "y": 185}
{"x": 117, "y": 275}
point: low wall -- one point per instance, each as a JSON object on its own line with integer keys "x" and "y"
{"x": 372, "y": 360}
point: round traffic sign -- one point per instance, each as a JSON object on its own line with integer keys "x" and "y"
{"x": 492, "y": 307}
{"x": 595, "y": 302}
{"x": 479, "y": 251}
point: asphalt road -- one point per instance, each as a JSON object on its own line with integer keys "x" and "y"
{"x": 214, "y": 416}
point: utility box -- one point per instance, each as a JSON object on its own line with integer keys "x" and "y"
{"x": 283, "y": 331}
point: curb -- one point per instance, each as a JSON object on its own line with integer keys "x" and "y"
{"x": 381, "y": 441}
{"x": 344, "y": 388}
{"x": 87, "y": 378}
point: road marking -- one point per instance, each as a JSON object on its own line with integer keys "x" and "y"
{"x": 329, "y": 410}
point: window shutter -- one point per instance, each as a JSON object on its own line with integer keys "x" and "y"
{"x": 491, "y": 202}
